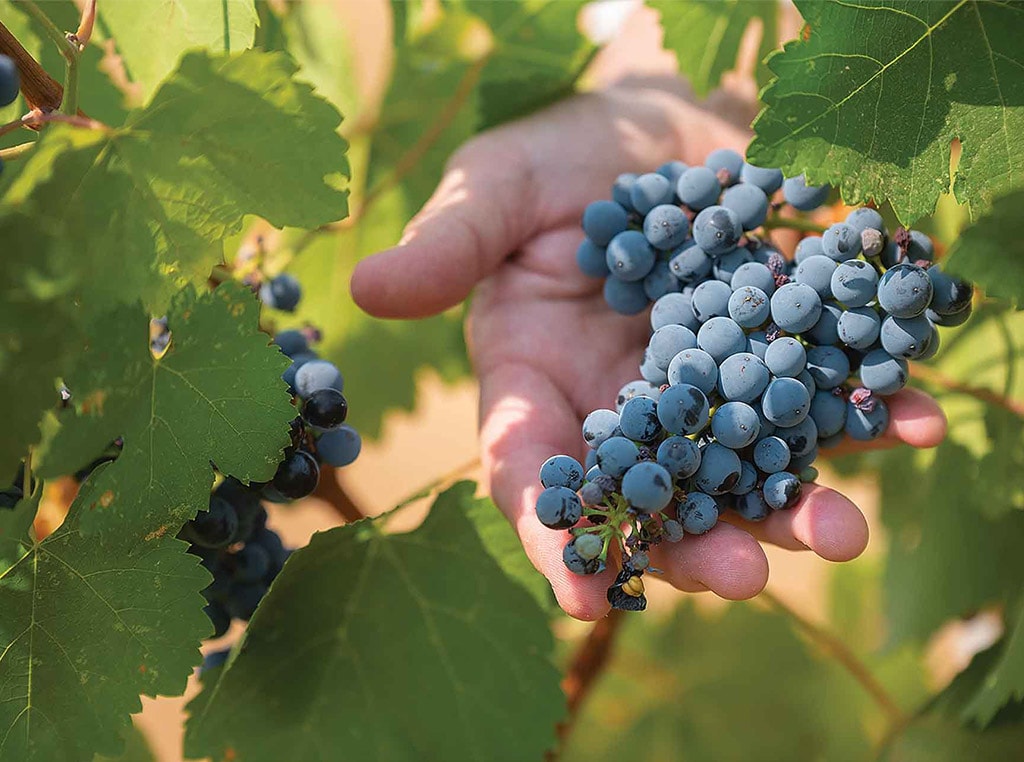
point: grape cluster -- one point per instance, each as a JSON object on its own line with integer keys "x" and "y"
{"x": 10, "y": 84}
{"x": 11, "y": 495}
{"x": 755, "y": 360}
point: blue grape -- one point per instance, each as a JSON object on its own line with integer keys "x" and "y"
{"x": 747, "y": 480}
{"x": 660, "y": 281}
{"x": 599, "y": 426}
{"x": 801, "y": 462}
{"x": 802, "y": 196}
{"x": 291, "y": 342}
{"x": 690, "y": 263}
{"x": 711, "y": 299}
{"x": 576, "y": 563}
{"x": 752, "y": 506}
{"x": 672, "y": 170}
{"x": 647, "y": 487}
{"x": 296, "y": 476}
{"x": 639, "y": 420}
{"x": 743, "y": 377}
{"x": 698, "y": 187}
{"x": 854, "y": 283}
{"x": 316, "y": 375}
{"x": 298, "y": 360}
{"x": 805, "y": 378}
{"x": 816, "y": 271}
{"x": 858, "y": 328}
{"x": 952, "y": 320}
{"x": 719, "y": 470}
{"x": 245, "y": 597}
{"x": 757, "y": 344}
{"x": 668, "y": 341}
{"x": 905, "y": 291}
{"x": 808, "y": 247}
{"x": 754, "y": 274}
{"x": 679, "y": 456}
{"x": 281, "y": 293}
{"x": 826, "y": 330}
{"x": 558, "y": 508}
{"x": 771, "y": 454}
{"x": 698, "y": 513}
{"x": 749, "y": 307}
{"x": 562, "y": 471}
{"x": 735, "y": 425}
{"x": 828, "y": 366}
{"x": 591, "y": 492}
{"x": 921, "y": 247}
{"x": 339, "y": 447}
{"x": 726, "y": 164}
{"x": 841, "y": 242}
{"x": 617, "y": 455}
{"x": 829, "y": 413}
{"x": 796, "y": 307}
{"x": 589, "y": 546}
{"x": 603, "y": 220}
{"x": 865, "y": 217}
{"x": 592, "y": 259}
{"x": 786, "y": 402}
{"x": 882, "y": 373}
{"x": 867, "y": 425}
{"x": 683, "y": 409}
{"x": 749, "y": 203}
{"x": 768, "y": 180}
{"x": 721, "y": 337}
{"x": 786, "y": 357}
{"x": 717, "y": 230}
{"x": 626, "y": 298}
{"x": 651, "y": 372}
{"x": 638, "y": 388}
{"x": 950, "y": 295}
{"x": 673, "y": 530}
{"x": 650, "y": 190}
{"x": 666, "y": 227}
{"x": 725, "y": 266}
{"x": 695, "y": 367}
{"x": 801, "y": 438}
{"x": 782, "y": 490}
{"x": 674, "y": 309}
{"x": 10, "y": 81}
{"x": 933, "y": 344}
{"x": 908, "y": 338}
{"x": 629, "y": 256}
{"x": 621, "y": 190}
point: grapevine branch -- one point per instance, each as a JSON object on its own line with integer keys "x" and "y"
{"x": 331, "y": 491}
{"x": 69, "y": 48}
{"x": 836, "y": 648}
{"x": 937, "y": 378}
{"x": 41, "y": 91}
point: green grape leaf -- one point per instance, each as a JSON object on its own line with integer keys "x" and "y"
{"x": 392, "y": 647}
{"x": 152, "y": 36}
{"x": 136, "y": 748}
{"x": 215, "y": 396}
{"x": 677, "y": 688}
{"x": 872, "y": 98}
{"x": 720, "y": 27}
{"x": 991, "y": 251}
{"x": 87, "y": 625}
{"x": 1004, "y": 682}
{"x": 538, "y": 54}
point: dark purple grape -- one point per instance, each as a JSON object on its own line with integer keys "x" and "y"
{"x": 297, "y": 476}
{"x": 216, "y": 527}
{"x": 325, "y": 409}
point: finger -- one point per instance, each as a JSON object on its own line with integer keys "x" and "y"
{"x": 915, "y": 418}
{"x": 823, "y": 521}
{"x": 507, "y": 185}
{"x": 524, "y": 421}
{"x": 727, "y": 560}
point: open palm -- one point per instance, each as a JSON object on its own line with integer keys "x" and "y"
{"x": 504, "y": 225}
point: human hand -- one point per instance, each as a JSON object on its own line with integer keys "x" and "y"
{"x": 504, "y": 224}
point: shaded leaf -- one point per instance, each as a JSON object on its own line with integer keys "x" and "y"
{"x": 373, "y": 646}
{"x": 871, "y": 99}
{"x": 991, "y": 251}
{"x": 1004, "y": 681}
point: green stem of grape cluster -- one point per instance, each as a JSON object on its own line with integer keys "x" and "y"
{"x": 69, "y": 50}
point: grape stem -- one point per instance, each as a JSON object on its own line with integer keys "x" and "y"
{"x": 40, "y": 89}
{"x": 69, "y": 46}
{"x": 837, "y": 649}
{"x": 939, "y": 379}
{"x": 793, "y": 223}
{"x": 16, "y": 152}
{"x": 331, "y": 491}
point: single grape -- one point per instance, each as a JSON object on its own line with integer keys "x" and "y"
{"x": 216, "y": 527}
{"x": 721, "y": 337}
{"x": 786, "y": 357}
{"x": 339, "y": 447}
{"x": 10, "y": 81}
{"x": 882, "y": 373}
{"x": 698, "y": 187}
{"x": 921, "y": 247}
{"x": 679, "y": 456}
{"x": 647, "y": 487}
{"x": 754, "y": 274}
{"x": 674, "y": 309}
{"x": 592, "y": 259}
{"x": 840, "y": 242}
{"x": 735, "y": 425}
{"x": 298, "y": 360}
{"x": 683, "y": 409}
{"x": 864, "y": 425}
{"x": 639, "y": 420}
{"x": 673, "y": 530}
{"x": 908, "y": 338}
{"x": 805, "y": 378}
{"x": 576, "y": 563}
{"x": 245, "y": 597}
{"x": 786, "y": 402}
{"x": 952, "y": 320}
{"x": 660, "y": 281}
{"x": 826, "y": 330}
{"x": 620, "y": 190}
{"x": 828, "y": 366}
{"x": 727, "y": 165}
{"x": 816, "y": 271}
{"x": 617, "y": 455}
{"x": 589, "y": 546}
{"x": 591, "y": 493}
{"x": 325, "y": 409}
{"x": 251, "y": 563}
{"x": 651, "y": 372}
{"x": 747, "y": 481}
{"x": 316, "y": 375}
{"x": 950, "y": 295}
{"x": 829, "y": 413}
{"x": 689, "y": 263}
{"x": 698, "y": 514}
{"x": 768, "y": 180}
{"x": 626, "y": 298}
{"x": 719, "y": 470}
{"x": 711, "y": 299}
{"x": 855, "y": 283}
{"x": 629, "y": 256}
{"x": 771, "y": 454}
{"x": 865, "y": 217}
{"x": 559, "y": 508}
{"x": 808, "y": 247}
{"x": 752, "y": 506}
{"x": 749, "y": 307}
{"x": 757, "y": 344}
{"x": 291, "y": 342}
{"x": 297, "y": 475}
{"x": 717, "y": 230}
{"x": 782, "y": 490}
{"x": 804, "y": 197}
{"x": 749, "y": 202}
{"x": 667, "y": 342}
{"x": 743, "y": 377}
{"x": 282, "y": 293}
{"x": 858, "y": 328}
{"x": 694, "y": 367}
{"x": 638, "y": 388}
{"x": 796, "y": 307}
{"x": 650, "y": 190}
{"x": 725, "y": 266}
{"x": 562, "y": 471}
{"x": 905, "y": 291}
{"x": 672, "y": 170}
{"x": 603, "y": 220}
{"x": 801, "y": 439}
{"x": 599, "y": 426}
{"x": 666, "y": 227}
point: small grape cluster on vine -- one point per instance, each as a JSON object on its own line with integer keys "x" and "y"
{"x": 756, "y": 360}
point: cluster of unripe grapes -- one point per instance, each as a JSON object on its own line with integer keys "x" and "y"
{"x": 755, "y": 361}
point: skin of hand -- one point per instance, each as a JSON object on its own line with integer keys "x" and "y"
{"x": 504, "y": 225}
